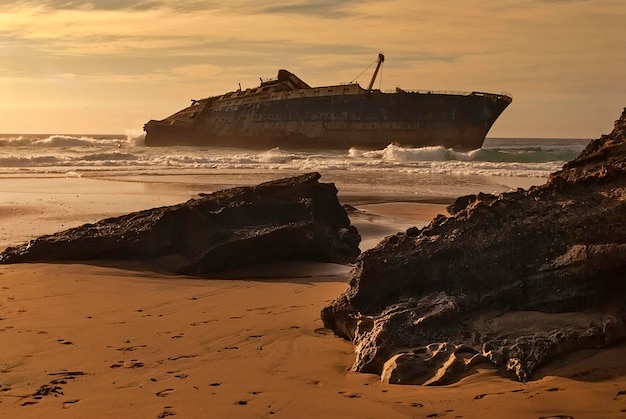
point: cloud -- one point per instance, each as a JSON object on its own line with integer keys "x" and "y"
{"x": 533, "y": 48}
{"x": 326, "y": 8}
{"x": 96, "y": 5}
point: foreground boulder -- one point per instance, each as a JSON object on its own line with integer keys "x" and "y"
{"x": 513, "y": 280}
{"x": 295, "y": 218}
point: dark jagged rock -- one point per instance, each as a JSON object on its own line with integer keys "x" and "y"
{"x": 513, "y": 280}
{"x": 464, "y": 201}
{"x": 294, "y": 218}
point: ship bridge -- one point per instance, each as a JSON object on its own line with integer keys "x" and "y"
{"x": 288, "y": 78}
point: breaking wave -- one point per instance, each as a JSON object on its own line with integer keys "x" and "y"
{"x": 439, "y": 153}
{"x": 66, "y": 141}
{"x": 70, "y": 153}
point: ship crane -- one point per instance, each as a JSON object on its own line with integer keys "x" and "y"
{"x": 381, "y": 59}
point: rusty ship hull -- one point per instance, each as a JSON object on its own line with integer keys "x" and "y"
{"x": 288, "y": 113}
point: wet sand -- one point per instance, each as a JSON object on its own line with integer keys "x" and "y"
{"x": 105, "y": 341}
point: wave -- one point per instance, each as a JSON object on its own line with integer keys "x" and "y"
{"x": 82, "y": 153}
{"x": 275, "y": 155}
{"x": 136, "y": 137}
{"x": 110, "y": 157}
{"x": 524, "y": 156}
{"x": 517, "y": 150}
{"x": 397, "y": 153}
{"x": 68, "y": 141}
{"x": 440, "y": 153}
{"x": 29, "y": 161}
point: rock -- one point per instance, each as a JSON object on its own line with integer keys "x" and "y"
{"x": 434, "y": 364}
{"x": 294, "y": 218}
{"x": 512, "y": 280}
{"x": 463, "y": 202}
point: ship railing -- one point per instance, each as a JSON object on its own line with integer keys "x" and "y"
{"x": 446, "y": 92}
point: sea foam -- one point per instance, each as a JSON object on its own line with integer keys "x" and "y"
{"x": 505, "y": 157}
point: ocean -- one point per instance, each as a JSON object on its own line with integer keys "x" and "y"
{"x": 427, "y": 173}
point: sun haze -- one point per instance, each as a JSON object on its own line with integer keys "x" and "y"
{"x": 106, "y": 66}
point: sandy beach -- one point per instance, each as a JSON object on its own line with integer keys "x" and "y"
{"x": 119, "y": 340}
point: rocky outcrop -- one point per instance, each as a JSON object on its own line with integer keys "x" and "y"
{"x": 295, "y": 218}
{"x": 512, "y": 280}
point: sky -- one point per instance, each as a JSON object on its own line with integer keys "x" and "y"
{"x": 109, "y": 66}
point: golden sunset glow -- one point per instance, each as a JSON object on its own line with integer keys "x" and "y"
{"x": 106, "y": 66}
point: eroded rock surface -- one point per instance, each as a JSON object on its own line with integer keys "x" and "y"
{"x": 513, "y": 280}
{"x": 294, "y": 218}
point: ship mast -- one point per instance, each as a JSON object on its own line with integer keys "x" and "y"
{"x": 381, "y": 58}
